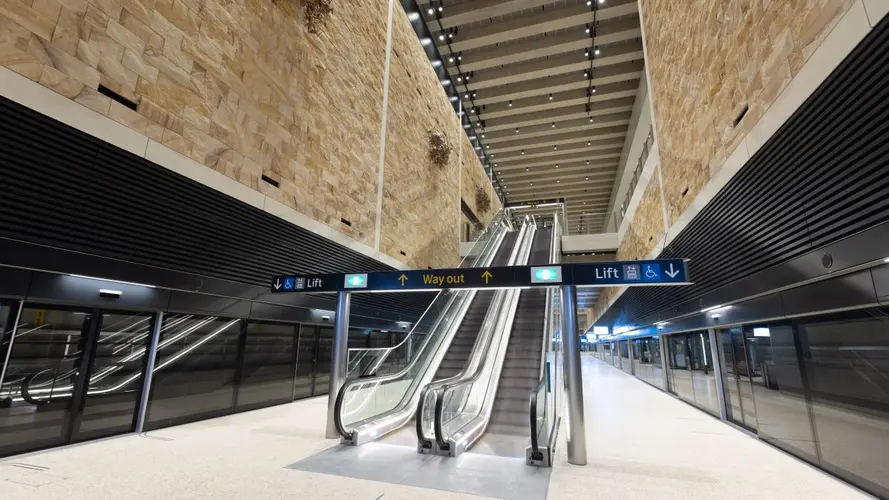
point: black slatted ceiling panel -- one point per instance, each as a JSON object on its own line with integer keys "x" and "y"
{"x": 63, "y": 188}
{"x": 822, "y": 177}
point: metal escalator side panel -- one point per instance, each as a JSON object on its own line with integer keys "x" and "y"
{"x": 426, "y": 428}
{"x": 387, "y": 402}
{"x": 465, "y": 405}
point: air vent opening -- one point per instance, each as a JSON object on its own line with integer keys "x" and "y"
{"x": 684, "y": 191}
{"x": 117, "y": 97}
{"x": 740, "y": 115}
{"x": 271, "y": 181}
{"x": 402, "y": 253}
{"x": 346, "y": 222}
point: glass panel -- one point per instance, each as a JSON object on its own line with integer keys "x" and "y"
{"x": 781, "y": 408}
{"x": 657, "y": 365}
{"x": 846, "y": 358}
{"x": 40, "y": 377}
{"x": 323, "y": 360}
{"x": 636, "y": 352}
{"x": 730, "y": 376}
{"x": 625, "y": 362}
{"x": 116, "y": 374}
{"x": 195, "y": 369}
{"x": 702, "y": 372}
{"x": 305, "y": 362}
{"x": 680, "y": 371}
{"x": 269, "y": 364}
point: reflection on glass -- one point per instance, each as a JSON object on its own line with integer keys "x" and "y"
{"x": 625, "y": 362}
{"x": 781, "y": 409}
{"x": 195, "y": 369}
{"x": 40, "y": 376}
{"x": 846, "y": 359}
{"x": 736, "y": 376}
{"x": 269, "y": 363}
{"x": 691, "y": 374}
{"x": 115, "y": 375}
{"x": 304, "y": 381}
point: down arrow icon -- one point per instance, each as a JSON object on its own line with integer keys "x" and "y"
{"x": 277, "y": 284}
{"x": 671, "y": 272}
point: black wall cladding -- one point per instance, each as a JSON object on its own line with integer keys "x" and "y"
{"x": 63, "y": 188}
{"x": 822, "y": 177}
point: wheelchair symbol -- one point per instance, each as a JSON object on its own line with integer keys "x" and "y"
{"x": 652, "y": 272}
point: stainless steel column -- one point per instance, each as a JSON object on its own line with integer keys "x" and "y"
{"x": 339, "y": 359}
{"x": 15, "y": 327}
{"x": 150, "y": 360}
{"x": 573, "y": 377}
{"x": 666, "y": 382}
{"x": 717, "y": 373}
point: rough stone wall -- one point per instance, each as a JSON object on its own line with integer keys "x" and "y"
{"x": 727, "y": 54}
{"x": 647, "y": 226}
{"x": 420, "y": 204}
{"x": 474, "y": 177}
{"x": 241, "y": 87}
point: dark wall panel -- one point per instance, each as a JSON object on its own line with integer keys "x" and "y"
{"x": 63, "y": 188}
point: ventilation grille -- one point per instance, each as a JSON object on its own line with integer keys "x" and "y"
{"x": 822, "y": 177}
{"x": 66, "y": 189}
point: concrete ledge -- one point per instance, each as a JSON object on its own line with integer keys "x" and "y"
{"x": 582, "y": 243}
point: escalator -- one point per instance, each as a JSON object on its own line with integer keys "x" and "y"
{"x": 521, "y": 366}
{"x": 466, "y": 336}
{"x": 371, "y": 407}
{"x": 486, "y": 408}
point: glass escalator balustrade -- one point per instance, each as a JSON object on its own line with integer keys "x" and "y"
{"x": 384, "y": 396}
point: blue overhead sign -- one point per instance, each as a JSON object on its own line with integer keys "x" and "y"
{"x": 593, "y": 274}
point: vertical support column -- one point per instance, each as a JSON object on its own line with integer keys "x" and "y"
{"x": 150, "y": 361}
{"x": 664, "y": 368}
{"x": 573, "y": 377}
{"x": 15, "y": 327}
{"x": 717, "y": 374}
{"x": 339, "y": 359}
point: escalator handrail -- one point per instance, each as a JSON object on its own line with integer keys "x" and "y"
{"x": 555, "y": 258}
{"x": 496, "y": 220}
{"x": 520, "y": 256}
{"x": 340, "y": 397}
{"x": 478, "y": 351}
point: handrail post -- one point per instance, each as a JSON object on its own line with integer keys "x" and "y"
{"x": 339, "y": 360}
{"x": 573, "y": 377}
{"x": 151, "y": 358}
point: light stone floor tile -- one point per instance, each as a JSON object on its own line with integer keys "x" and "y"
{"x": 642, "y": 444}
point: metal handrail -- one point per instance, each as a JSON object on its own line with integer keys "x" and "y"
{"x": 485, "y": 335}
{"x": 340, "y": 397}
{"x": 497, "y": 219}
{"x": 555, "y": 257}
{"x": 522, "y": 256}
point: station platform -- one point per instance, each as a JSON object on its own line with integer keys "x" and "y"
{"x": 642, "y": 444}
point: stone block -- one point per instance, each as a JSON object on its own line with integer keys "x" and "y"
{"x": 76, "y": 6}
{"x": 94, "y": 100}
{"x": 125, "y": 37}
{"x": 176, "y": 142}
{"x": 140, "y": 28}
{"x": 126, "y": 116}
{"x": 28, "y": 18}
{"x": 48, "y": 8}
{"x": 96, "y": 18}
{"x": 72, "y": 66}
{"x": 54, "y": 79}
{"x": 111, "y": 8}
{"x": 134, "y": 62}
{"x": 65, "y": 40}
{"x": 90, "y": 52}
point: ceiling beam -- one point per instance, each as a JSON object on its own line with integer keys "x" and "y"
{"x": 564, "y": 137}
{"x": 603, "y": 122}
{"x": 547, "y": 117}
{"x": 576, "y": 97}
{"x": 537, "y": 47}
{"x": 557, "y": 83}
{"x": 613, "y": 155}
{"x": 547, "y": 20}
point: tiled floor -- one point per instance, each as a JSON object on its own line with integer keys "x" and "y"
{"x": 642, "y": 443}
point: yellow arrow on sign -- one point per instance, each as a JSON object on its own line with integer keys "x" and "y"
{"x": 487, "y": 275}
{"x": 402, "y": 278}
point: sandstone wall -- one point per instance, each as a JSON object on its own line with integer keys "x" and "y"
{"x": 727, "y": 54}
{"x": 241, "y": 87}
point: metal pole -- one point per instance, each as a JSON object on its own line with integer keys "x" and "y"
{"x": 150, "y": 360}
{"x": 717, "y": 374}
{"x": 15, "y": 327}
{"x": 666, "y": 383}
{"x": 339, "y": 359}
{"x": 573, "y": 377}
